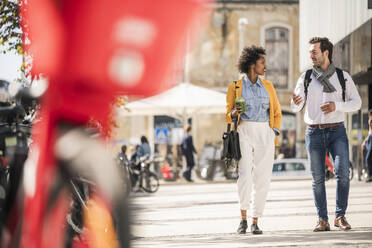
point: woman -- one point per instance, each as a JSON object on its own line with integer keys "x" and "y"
{"x": 144, "y": 149}
{"x": 257, "y": 128}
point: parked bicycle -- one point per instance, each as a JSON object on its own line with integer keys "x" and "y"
{"x": 138, "y": 172}
{"x": 15, "y": 128}
{"x": 211, "y": 166}
{"x": 14, "y": 141}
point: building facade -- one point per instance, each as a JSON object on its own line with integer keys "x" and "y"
{"x": 234, "y": 25}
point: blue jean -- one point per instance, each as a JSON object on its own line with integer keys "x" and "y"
{"x": 368, "y": 159}
{"x": 190, "y": 164}
{"x": 334, "y": 140}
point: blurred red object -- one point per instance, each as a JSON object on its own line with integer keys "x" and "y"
{"x": 91, "y": 51}
{"x": 167, "y": 172}
{"x": 329, "y": 164}
{"x": 116, "y": 46}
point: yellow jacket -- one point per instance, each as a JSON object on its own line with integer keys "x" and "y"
{"x": 275, "y": 114}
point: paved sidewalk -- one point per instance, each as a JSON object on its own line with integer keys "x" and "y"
{"x": 207, "y": 215}
{"x": 356, "y": 238}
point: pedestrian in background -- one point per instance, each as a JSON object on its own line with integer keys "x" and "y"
{"x": 188, "y": 150}
{"x": 122, "y": 155}
{"x": 258, "y": 127}
{"x": 367, "y": 147}
{"x": 141, "y": 151}
{"x": 134, "y": 153}
{"x": 144, "y": 148}
{"x": 326, "y": 106}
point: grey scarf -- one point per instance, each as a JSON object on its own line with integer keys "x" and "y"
{"x": 323, "y": 77}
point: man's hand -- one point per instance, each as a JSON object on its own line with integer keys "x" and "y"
{"x": 236, "y": 111}
{"x": 297, "y": 99}
{"x": 364, "y": 144}
{"x": 328, "y": 107}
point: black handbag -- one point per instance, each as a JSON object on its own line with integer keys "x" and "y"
{"x": 231, "y": 145}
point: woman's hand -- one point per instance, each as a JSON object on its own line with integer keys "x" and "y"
{"x": 237, "y": 110}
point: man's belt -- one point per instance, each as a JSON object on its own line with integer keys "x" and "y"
{"x": 328, "y": 125}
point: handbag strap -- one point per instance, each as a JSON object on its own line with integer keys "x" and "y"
{"x": 236, "y": 87}
{"x": 235, "y": 120}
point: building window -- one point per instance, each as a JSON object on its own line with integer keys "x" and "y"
{"x": 277, "y": 56}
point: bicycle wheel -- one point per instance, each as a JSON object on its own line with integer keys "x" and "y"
{"x": 106, "y": 203}
{"x": 151, "y": 182}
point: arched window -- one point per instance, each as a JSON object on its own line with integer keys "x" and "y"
{"x": 277, "y": 56}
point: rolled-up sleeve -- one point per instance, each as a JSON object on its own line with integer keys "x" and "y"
{"x": 299, "y": 90}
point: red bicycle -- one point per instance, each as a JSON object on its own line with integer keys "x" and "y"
{"x": 91, "y": 51}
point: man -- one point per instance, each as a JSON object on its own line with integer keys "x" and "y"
{"x": 326, "y": 104}
{"x": 188, "y": 151}
{"x": 122, "y": 155}
{"x": 367, "y": 147}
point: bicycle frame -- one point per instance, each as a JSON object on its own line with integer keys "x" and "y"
{"x": 41, "y": 212}
{"x": 39, "y": 168}
{"x": 84, "y": 68}
{"x": 143, "y": 172}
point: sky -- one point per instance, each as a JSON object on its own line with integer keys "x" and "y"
{"x": 9, "y": 66}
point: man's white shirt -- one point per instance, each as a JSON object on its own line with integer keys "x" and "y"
{"x": 316, "y": 97}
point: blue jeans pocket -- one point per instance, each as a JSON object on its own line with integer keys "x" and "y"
{"x": 310, "y": 131}
{"x": 340, "y": 128}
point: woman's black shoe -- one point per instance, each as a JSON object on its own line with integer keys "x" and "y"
{"x": 255, "y": 229}
{"x": 242, "y": 227}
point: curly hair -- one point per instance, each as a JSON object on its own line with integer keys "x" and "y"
{"x": 249, "y": 56}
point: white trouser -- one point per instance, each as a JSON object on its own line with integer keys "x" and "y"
{"x": 255, "y": 167}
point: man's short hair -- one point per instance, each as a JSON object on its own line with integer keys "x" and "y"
{"x": 123, "y": 148}
{"x": 370, "y": 112}
{"x": 249, "y": 57}
{"x": 188, "y": 128}
{"x": 325, "y": 44}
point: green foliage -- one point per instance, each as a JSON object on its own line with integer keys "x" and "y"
{"x": 10, "y": 27}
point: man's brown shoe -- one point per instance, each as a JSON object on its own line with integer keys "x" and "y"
{"x": 322, "y": 226}
{"x": 342, "y": 223}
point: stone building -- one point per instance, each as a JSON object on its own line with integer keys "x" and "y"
{"x": 238, "y": 23}
{"x": 212, "y": 62}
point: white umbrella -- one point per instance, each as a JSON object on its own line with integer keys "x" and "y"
{"x": 182, "y": 100}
